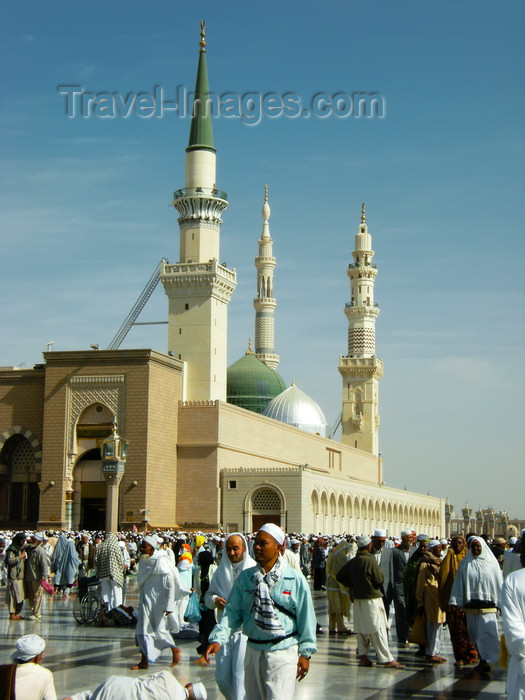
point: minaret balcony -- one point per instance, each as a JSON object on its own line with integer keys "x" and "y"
{"x": 265, "y": 302}
{"x": 200, "y": 204}
{"x": 199, "y": 192}
{"x": 361, "y": 366}
{"x": 351, "y": 304}
{"x": 197, "y": 270}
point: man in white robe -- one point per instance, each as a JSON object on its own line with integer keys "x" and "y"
{"x": 513, "y": 612}
{"x": 157, "y": 686}
{"x": 159, "y": 587}
{"x": 229, "y": 669}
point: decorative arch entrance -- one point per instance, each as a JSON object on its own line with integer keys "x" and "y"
{"x": 265, "y": 504}
{"x": 88, "y": 503}
{"x": 20, "y": 474}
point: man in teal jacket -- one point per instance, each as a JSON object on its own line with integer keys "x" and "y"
{"x": 273, "y": 605}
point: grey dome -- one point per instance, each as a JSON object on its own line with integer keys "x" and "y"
{"x": 295, "y": 408}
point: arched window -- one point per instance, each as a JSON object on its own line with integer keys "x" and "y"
{"x": 266, "y": 500}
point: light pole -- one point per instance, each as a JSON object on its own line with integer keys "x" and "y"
{"x": 114, "y": 451}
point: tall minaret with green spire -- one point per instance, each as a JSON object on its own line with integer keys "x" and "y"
{"x": 265, "y": 303}
{"x": 198, "y": 287}
{"x": 361, "y": 369}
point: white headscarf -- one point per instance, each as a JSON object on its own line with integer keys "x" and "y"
{"x": 478, "y": 578}
{"x": 158, "y": 563}
{"x": 223, "y": 578}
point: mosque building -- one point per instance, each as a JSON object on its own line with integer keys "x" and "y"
{"x": 211, "y": 447}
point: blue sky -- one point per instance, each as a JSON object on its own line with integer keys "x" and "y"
{"x": 85, "y": 202}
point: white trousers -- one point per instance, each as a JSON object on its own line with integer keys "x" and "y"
{"x": 379, "y": 640}
{"x": 370, "y": 625}
{"x": 434, "y": 633}
{"x": 111, "y": 593}
{"x": 270, "y": 675}
{"x": 483, "y": 630}
{"x": 229, "y": 667}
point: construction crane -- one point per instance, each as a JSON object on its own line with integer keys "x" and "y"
{"x": 137, "y": 308}
{"x": 337, "y": 424}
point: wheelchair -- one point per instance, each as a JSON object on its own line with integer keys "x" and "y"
{"x": 88, "y": 602}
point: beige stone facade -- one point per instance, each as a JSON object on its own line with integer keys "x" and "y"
{"x": 265, "y": 470}
{"x": 60, "y": 412}
{"x": 196, "y": 464}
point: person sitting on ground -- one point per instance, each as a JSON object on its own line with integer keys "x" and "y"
{"x": 25, "y": 678}
{"x": 121, "y": 616}
{"x": 157, "y": 686}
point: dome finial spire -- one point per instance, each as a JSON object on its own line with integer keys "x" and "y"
{"x": 202, "y": 43}
{"x": 363, "y": 213}
{"x": 249, "y": 351}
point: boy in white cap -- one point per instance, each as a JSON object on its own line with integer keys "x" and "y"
{"x": 31, "y": 680}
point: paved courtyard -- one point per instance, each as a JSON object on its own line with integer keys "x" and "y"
{"x": 83, "y": 656}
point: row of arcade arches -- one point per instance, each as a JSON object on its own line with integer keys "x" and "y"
{"x": 338, "y": 513}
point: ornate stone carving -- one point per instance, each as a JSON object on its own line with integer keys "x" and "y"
{"x": 85, "y": 390}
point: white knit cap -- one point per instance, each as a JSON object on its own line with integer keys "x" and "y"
{"x": 363, "y": 541}
{"x": 273, "y": 530}
{"x": 27, "y": 647}
{"x": 433, "y": 543}
{"x": 379, "y": 533}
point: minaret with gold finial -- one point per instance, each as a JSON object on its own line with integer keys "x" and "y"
{"x": 360, "y": 369}
{"x": 198, "y": 287}
{"x": 265, "y": 302}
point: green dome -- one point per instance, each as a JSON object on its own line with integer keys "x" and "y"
{"x": 251, "y": 384}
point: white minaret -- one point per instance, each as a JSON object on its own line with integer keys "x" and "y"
{"x": 361, "y": 370}
{"x": 265, "y": 303}
{"x": 198, "y": 287}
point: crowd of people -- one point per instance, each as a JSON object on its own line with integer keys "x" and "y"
{"x": 248, "y": 599}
